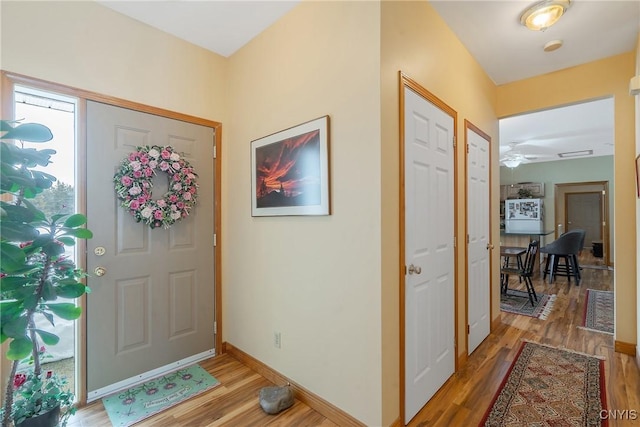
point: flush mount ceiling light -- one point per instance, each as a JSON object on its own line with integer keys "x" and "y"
{"x": 544, "y": 14}
{"x": 580, "y": 153}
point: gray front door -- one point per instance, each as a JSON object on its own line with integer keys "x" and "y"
{"x": 154, "y": 305}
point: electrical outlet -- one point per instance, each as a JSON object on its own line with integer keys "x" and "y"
{"x": 277, "y": 343}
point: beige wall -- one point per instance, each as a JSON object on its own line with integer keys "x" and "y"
{"x": 314, "y": 279}
{"x": 637, "y": 117}
{"x": 88, "y": 46}
{"x": 607, "y": 77}
{"x": 416, "y": 41}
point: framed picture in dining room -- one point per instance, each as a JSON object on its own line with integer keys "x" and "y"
{"x": 290, "y": 171}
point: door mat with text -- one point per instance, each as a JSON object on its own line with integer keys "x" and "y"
{"x": 129, "y": 406}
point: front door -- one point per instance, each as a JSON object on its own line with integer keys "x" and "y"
{"x": 154, "y": 305}
{"x": 429, "y": 250}
{"x": 478, "y": 290}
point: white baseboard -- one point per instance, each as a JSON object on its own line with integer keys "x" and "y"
{"x": 139, "y": 379}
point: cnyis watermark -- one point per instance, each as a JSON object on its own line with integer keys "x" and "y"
{"x": 619, "y": 414}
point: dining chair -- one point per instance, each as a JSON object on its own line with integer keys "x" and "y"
{"x": 525, "y": 271}
{"x": 562, "y": 256}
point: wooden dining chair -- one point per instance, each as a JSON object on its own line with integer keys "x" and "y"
{"x": 525, "y": 271}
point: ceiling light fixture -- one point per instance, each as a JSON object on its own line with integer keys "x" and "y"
{"x": 580, "y": 153}
{"x": 512, "y": 163}
{"x": 544, "y": 14}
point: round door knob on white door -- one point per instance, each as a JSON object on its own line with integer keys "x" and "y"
{"x": 414, "y": 270}
{"x": 100, "y": 271}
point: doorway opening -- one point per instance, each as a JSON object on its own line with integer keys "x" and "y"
{"x": 58, "y": 113}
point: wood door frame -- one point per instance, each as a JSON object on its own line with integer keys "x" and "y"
{"x": 406, "y": 82}
{"x": 467, "y": 127}
{"x": 9, "y": 80}
{"x": 560, "y": 209}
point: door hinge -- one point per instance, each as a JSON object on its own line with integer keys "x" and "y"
{"x": 454, "y": 142}
{"x": 215, "y": 327}
{"x": 215, "y": 152}
{"x": 455, "y": 242}
{"x": 468, "y": 239}
{"x": 215, "y": 240}
{"x": 468, "y": 329}
{"x": 467, "y": 148}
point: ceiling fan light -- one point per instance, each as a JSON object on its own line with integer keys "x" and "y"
{"x": 544, "y": 14}
{"x": 512, "y": 163}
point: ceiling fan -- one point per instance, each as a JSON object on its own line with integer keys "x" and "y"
{"x": 513, "y": 155}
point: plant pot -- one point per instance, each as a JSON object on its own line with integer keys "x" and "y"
{"x": 48, "y": 419}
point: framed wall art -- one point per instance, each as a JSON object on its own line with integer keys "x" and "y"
{"x": 290, "y": 171}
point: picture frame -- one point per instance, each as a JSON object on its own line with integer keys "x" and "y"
{"x": 290, "y": 171}
{"x": 638, "y": 176}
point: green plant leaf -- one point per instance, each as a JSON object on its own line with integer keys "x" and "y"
{"x": 19, "y": 348}
{"x": 16, "y": 327}
{"x": 68, "y": 241}
{"x": 48, "y": 292}
{"x": 10, "y": 283}
{"x": 71, "y": 291}
{"x": 12, "y": 257}
{"x": 53, "y": 249}
{"x": 18, "y": 213}
{"x": 75, "y": 220}
{"x": 67, "y": 311}
{"x": 47, "y": 337}
{"x": 80, "y": 233}
{"x": 32, "y": 132}
{"x": 49, "y": 317}
{"x": 17, "y": 231}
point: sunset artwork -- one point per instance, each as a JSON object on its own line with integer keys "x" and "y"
{"x": 290, "y": 171}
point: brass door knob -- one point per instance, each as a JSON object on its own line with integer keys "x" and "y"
{"x": 100, "y": 271}
{"x": 414, "y": 269}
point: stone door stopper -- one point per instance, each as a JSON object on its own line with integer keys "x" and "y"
{"x": 276, "y": 399}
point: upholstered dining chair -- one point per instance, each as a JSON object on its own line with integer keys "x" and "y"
{"x": 525, "y": 271}
{"x": 562, "y": 256}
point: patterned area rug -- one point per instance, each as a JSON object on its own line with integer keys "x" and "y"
{"x": 137, "y": 403}
{"x": 547, "y": 386}
{"x": 518, "y": 302}
{"x": 598, "y": 311}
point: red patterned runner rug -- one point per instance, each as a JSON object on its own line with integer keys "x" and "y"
{"x": 548, "y": 386}
{"x": 598, "y": 311}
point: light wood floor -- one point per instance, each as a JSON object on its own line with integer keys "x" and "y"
{"x": 462, "y": 401}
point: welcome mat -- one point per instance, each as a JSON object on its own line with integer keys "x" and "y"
{"x": 548, "y": 386}
{"x": 517, "y": 302}
{"x": 137, "y": 403}
{"x": 598, "y": 311}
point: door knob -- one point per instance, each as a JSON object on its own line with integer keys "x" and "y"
{"x": 413, "y": 269}
{"x": 100, "y": 271}
{"x": 489, "y": 246}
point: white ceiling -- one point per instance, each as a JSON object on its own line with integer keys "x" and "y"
{"x": 490, "y": 30}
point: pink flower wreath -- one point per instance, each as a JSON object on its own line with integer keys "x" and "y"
{"x": 134, "y": 179}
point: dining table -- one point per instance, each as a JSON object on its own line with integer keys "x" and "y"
{"x": 510, "y": 254}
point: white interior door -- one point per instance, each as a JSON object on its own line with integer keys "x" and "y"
{"x": 478, "y": 289}
{"x": 154, "y": 307}
{"x": 429, "y": 250}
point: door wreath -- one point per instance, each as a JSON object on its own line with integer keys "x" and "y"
{"x": 134, "y": 180}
